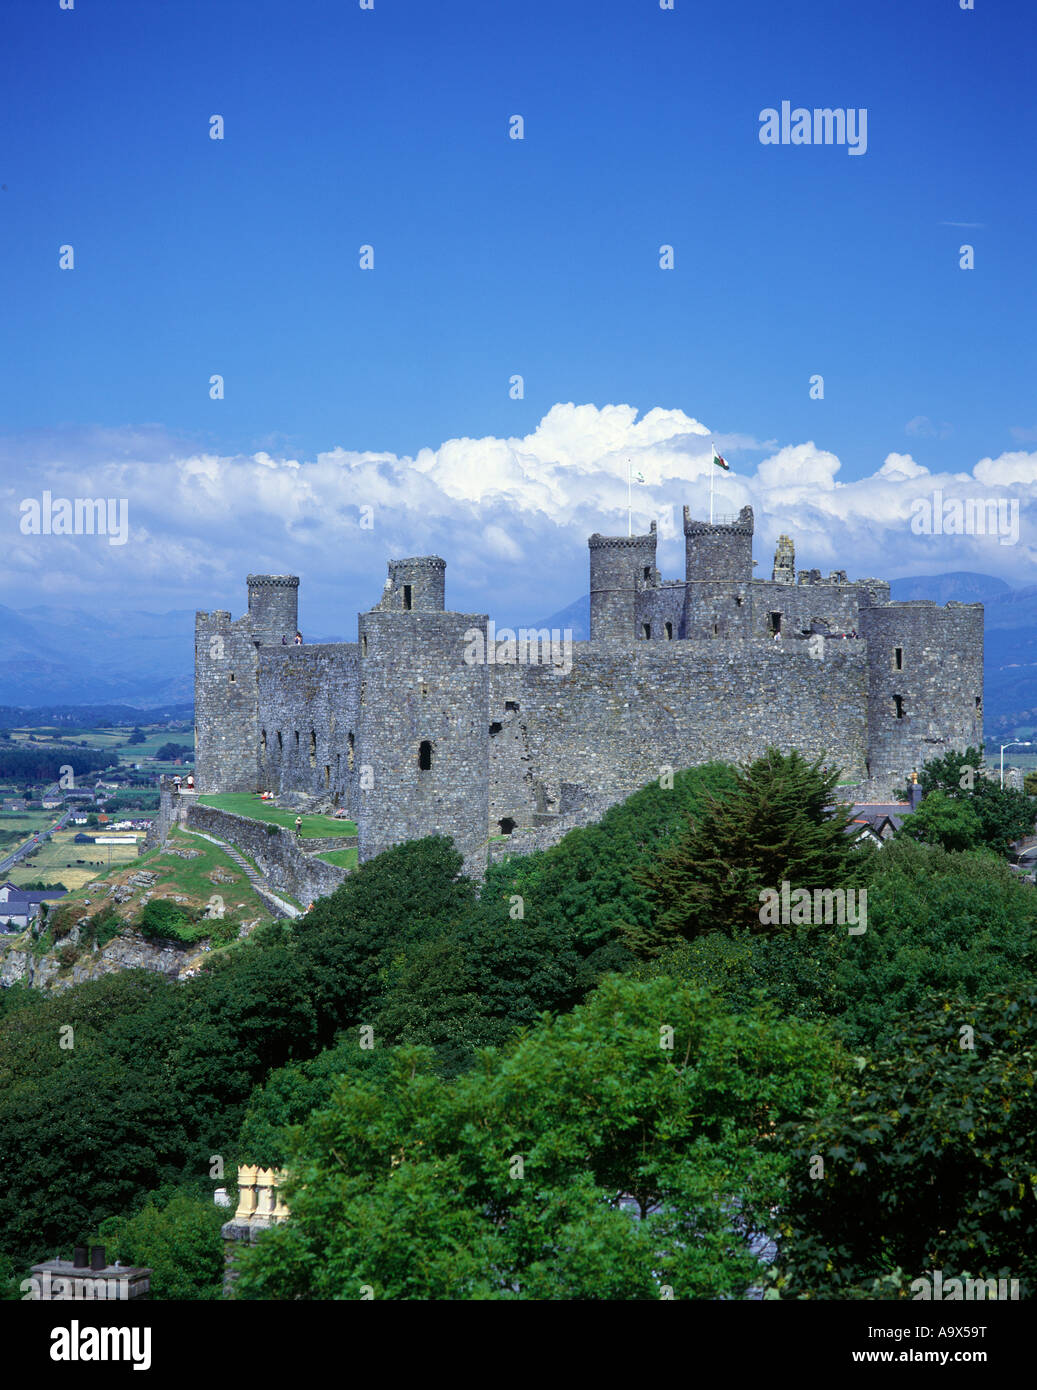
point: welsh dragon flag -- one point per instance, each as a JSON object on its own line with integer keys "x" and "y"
{"x": 719, "y": 461}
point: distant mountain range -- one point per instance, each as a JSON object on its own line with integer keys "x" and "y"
{"x": 59, "y": 656}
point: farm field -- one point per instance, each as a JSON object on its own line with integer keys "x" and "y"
{"x": 249, "y": 804}
{"x": 60, "y": 860}
{"x": 108, "y": 739}
{"x": 27, "y": 822}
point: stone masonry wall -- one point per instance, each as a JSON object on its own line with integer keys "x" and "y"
{"x": 278, "y": 856}
{"x": 627, "y": 710}
{"x": 306, "y": 717}
{"x": 939, "y": 683}
{"x": 225, "y": 704}
{"x": 418, "y": 690}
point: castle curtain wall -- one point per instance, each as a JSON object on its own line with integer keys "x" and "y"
{"x": 309, "y": 695}
{"x": 624, "y": 712}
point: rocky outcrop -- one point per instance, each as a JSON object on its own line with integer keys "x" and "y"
{"x": 124, "y": 952}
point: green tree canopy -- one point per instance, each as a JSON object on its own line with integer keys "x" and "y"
{"x": 586, "y": 1160}
{"x": 928, "y": 1161}
{"x": 778, "y": 824}
{"x": 944, "y": 820}
{"x": 178, "y": 1239}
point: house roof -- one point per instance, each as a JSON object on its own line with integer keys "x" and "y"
{"x": 20, "y": 895}
{"x": 877, "y": 815}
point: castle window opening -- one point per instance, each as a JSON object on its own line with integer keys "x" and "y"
{"x": 716, "y": 629}
{"x": 280, "y": 741}
{"x": 898, "y": 658}
{"x": 363, "y": 645}
{"x": 424, "y": 756}
{"x": 511, "y": 707}
{"x": 407, "y": 594}
{"x": 739, "y": 599}
{"x": 668, "y": 629}
{"x": 646, "y": 629}
{"x": 495, "y": 728}
{"x": 424, "y": 688}
{"x": 313, "y": 749}
{"x": 773, "y": 622}
{"x": 507, "y": 825}
{"x": 232, "y": 675}
{"x": 297, "y": 738}
{"x": 648, "y": 571}
{"x": 327, "y": 774}
{"x": 898, "y": 706}
{"x": 262, "y": 741}
{"x": 351, "y": 752}
{"x": 979, "y": 704}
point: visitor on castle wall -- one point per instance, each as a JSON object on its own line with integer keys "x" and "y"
{"x": 176, "y": 784}
{"x": 190, "y": 781}
{"x": 298, "y": 825}
{"x": 284, "y": 640}
{"x": 298, "y": 639}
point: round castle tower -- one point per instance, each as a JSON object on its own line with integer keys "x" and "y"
{"x": 416, "y": 585}
{"x": 621, "y": 566}
{"x": 925, "y": 683}
{"x": 273, "y": 606}
{"x": 718, "y": 560}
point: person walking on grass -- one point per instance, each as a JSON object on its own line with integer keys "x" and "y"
{"x": 298, "y": 826}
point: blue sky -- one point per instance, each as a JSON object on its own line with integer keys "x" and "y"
{"x": 493, "y": 256}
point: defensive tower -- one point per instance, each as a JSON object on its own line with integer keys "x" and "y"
{"x": 621, "y": 567}
{"x": 718, "y": 560}
{"x": 417, "y": 585}
{"x": 273, "y": 607}
{"x": 925, "y": 683}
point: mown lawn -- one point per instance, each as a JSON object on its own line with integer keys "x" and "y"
{"x": 344, "y": 858}
{"x": 249, "y": 804}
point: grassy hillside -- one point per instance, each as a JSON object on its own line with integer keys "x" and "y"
{"x": 194, "y": 881}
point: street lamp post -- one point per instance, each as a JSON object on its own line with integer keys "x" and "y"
{"x": 1026, "y": 744}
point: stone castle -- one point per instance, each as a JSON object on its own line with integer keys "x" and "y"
{"x": 418, "y": 729}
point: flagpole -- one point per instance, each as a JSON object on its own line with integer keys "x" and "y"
{"x": 712, "y": 474}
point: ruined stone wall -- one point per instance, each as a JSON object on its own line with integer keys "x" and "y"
{"x": 800, "y": 605}
{"x": 661, "y": 611}
{"x": 278, "y": 855}
{"x": 307, "y": 720}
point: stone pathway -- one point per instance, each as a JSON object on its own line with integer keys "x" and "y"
{"x": 278, "y": 905}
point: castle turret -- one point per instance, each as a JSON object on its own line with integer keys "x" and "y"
{"x": 621, "y": 567}
{"x": 718, "y": 574}
{"x": 925, "y": 683}
{"x": 417, "y": 585}
{"x": 273, "y": 607}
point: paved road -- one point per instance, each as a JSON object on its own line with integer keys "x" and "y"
{"x": 34, "y": 841}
